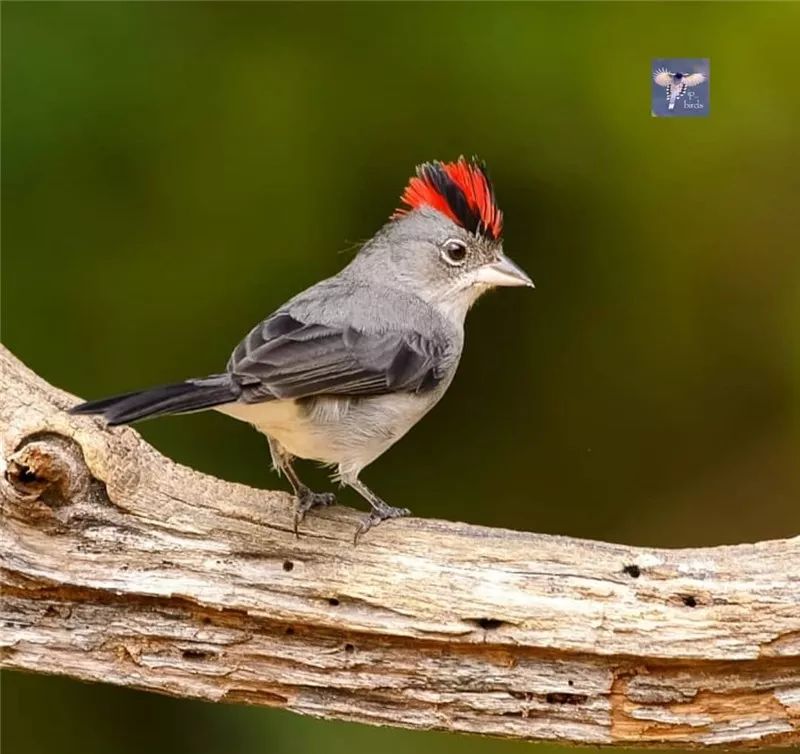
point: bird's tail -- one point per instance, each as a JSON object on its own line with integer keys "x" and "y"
{"x": 183, "y": 397}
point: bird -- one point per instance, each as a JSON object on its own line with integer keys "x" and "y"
{"x": 347, "y": 367}
{"x": 676, "y": 83}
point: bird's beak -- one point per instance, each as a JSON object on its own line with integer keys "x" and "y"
{"x": 503, "y": 272}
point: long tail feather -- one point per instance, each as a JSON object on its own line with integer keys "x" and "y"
{"x": 183, "y": 397}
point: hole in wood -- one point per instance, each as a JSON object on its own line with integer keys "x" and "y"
{"x": 487, "y": 624}
{"x": 558, "y": 697}
{"x": 24, "y": 473}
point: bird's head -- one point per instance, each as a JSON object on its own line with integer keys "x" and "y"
{"x": 445, "y": 244}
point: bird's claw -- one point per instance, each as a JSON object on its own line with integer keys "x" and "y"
{"x": 306, "y": 500}
{"x": 380, "y": 512}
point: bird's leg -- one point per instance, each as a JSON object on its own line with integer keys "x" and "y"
{"x": 381, "y": 511}
{"x": 306, "y": 498}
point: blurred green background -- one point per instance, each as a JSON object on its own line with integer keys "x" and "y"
{"x": 173, "y": 172}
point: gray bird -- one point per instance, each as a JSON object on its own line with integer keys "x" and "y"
{"x": 344, "y": 369}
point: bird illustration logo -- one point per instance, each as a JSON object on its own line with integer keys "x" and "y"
{"x": 676, "y": 83}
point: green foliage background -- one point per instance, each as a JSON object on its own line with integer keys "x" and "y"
{"x": 172, "y": 172}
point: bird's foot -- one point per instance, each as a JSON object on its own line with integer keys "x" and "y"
{"x": 380, "y": 512}
{"x": 306, "y": 500}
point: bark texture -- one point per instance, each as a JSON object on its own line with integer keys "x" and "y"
{"x": 121, "y": 566}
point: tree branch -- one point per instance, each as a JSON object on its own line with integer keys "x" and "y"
{"x": 121, "y": 566}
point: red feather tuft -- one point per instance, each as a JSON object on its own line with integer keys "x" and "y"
{"x": 460, "y": 190}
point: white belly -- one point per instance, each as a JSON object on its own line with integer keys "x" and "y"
{"x": 350, "y": 433}
{"x": 287, "y": 423}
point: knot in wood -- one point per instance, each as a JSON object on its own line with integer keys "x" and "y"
{"x": 47, "y": 467}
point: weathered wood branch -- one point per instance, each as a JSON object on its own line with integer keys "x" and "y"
{"x": 121, "y": 566}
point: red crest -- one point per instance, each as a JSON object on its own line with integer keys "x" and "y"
{"x": 460, "y": 190}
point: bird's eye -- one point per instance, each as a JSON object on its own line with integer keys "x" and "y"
{"x": 454, "y": 251}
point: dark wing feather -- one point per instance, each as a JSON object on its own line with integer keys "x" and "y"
{"x": 286, "y": 358}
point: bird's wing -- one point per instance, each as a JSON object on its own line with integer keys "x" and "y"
{"x": 662, "y": 77}
{"x": 284, "y": 357}
{"x": 693, "y": 79}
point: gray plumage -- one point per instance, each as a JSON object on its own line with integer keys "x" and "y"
{"x": 344, "y": 369}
